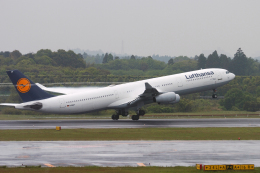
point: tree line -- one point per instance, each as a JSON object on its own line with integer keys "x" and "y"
{"x": 239, "y": 64}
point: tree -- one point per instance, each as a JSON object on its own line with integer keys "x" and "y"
{"x": 213, "y": 60}
{"x": 45, "y": 60}
{"x": 144, "y": 66}
{"x": 239, "y": 63}
{"x": 42, "y": 52}
{"x": 233, "y": 97}
{"x": 116, "y": 57}
{"x": 185, "y": 105}
{"x": 170, "y": 62}
{"x": 6, "y": 54}
{"x": 185, "y": 66}
{"x": 180, "y": 58}
{"x": 105, "y": 59}
{"x": 29, "y": 55}
{"x": 132, "y": 57}
{"x": 224, "y": 61}
{"x": 252, "y": 66}
{"x": 68, "y": 59}
{"x": 110, "y": 57}
{"x": 15, "y": 54}
{"x": 251, "y": 106}
{"x": 98, "y": 59}
{"x": 202, "y": 61}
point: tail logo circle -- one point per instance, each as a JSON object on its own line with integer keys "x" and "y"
{"x": 23, "y": 85}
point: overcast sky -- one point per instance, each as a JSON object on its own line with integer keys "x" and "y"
{"x": 174, "y": 27}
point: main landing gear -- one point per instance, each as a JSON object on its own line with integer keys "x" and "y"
{"x": 125, "y": 113}
{"x": 115, "y": 117}
{"x": 119, "y": 112}
{"x": 139, "y": 113}
{"x": 214, "y": 95}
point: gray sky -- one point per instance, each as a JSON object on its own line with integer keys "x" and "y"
{"x": 174, "y": 27}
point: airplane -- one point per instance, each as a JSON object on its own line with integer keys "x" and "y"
{"x": 122, "y": 97}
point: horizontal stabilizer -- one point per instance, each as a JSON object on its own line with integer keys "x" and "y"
{"x": 9, "y": 104}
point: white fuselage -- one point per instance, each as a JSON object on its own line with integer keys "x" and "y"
{"x": 113, "y": 97}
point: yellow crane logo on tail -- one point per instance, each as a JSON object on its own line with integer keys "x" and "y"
{"x": 23, "y": 85}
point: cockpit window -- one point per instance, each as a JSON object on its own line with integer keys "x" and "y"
{"x": 227, "y": 72}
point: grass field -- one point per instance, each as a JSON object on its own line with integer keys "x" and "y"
{"x": 177, "y": 169}
{"x": 211, "y": 114}
{"x": 213, "y": 133}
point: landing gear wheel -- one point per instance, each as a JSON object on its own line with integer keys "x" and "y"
{"x": 124, "y": 113}
{"x": 115, "y": 117}
{"x": 135, "y": 117}
{"x": 214, "y": 96}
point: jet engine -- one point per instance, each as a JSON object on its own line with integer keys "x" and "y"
{"x": 169, "y": 97}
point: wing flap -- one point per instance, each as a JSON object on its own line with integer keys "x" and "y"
{"x": 148, "y": 93}
{"x": 121, "y": 103}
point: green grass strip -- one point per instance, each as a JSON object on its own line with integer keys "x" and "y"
{"x": 214, "y": 133}
{"x": 91, "y": 169}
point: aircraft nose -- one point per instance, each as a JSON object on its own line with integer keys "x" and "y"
{"x": 232, "y": 76}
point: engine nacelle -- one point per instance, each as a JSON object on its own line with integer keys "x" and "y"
{"x": 177, "y": 99}
{"x": 169, "y": 97}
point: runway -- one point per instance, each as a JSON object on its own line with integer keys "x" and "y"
{"x": 127, "y": 123}
{"x": 128, "y": 153}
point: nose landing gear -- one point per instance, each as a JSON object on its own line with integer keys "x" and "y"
{"x": 214, "y": 95}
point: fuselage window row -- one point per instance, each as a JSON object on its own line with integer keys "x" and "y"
{"x": 166, "y": 84}
{"x": 90, "y": 98}
{"x": 198, "y": 78}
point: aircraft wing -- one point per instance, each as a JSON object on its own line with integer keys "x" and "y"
{"x": 148, "y": 93}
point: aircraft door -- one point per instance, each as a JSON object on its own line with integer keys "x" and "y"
{"x": 62, "y": 103}
{"x": 219, "y": 77}
{"x": 179, "y": 82}
{"x": 116, "y": 94}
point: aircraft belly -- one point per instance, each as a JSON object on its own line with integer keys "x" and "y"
{"x": 195, "y": 89}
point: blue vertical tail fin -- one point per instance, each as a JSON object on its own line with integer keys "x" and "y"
{"x": 27, "y": 90}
